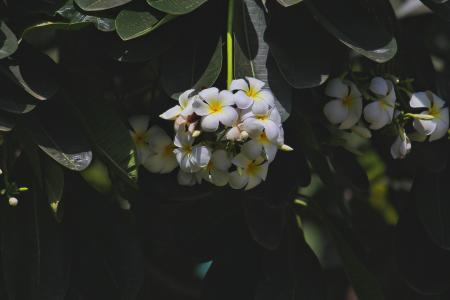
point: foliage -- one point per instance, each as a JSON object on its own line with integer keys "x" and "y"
{"x": 82, "y": 218}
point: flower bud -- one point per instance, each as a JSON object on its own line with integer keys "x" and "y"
{"x": 13, "y": 201}
{"x": 196, "y": 133}
{"x": 286, "y": 148}
{"x": 244, "y": 135}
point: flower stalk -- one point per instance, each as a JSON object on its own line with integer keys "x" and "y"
{"x": 230, "y": 42}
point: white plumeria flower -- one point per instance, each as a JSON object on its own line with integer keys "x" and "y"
{"x": 251, "y": 94}
{"x": 259, "y": 142}
{"x": 250, "y": 172}
{"x": 188, "y": 179}
{"x": 436, "y": 127}
{"x": 346, "y": 108}
{"x": 216, "y": 171}
{"x": 379, "y": 113}
{"x": 140, "y": 134}
{"x": 190, "y": 158}
{"x": 263, "y": 118}
{"x": 184, "y": 108}
{"x": 161, "y": 158}
{"x": 215, "y": 108}
{"x": 401, "y": 146}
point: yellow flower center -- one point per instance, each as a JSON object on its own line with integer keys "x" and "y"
{"x": 168, "y": 150}
{"x": 209, "y": 166}
{"x": 187, "y": 148}
{"x": 347, "y": 100}
{"x": 252, "y": 168}
{"x": 139, "y": 138}
{"x": 252, "y": 93}
{"x": 263, "y": 138}
{"x": 215, "y": 107}
{"x": 262, "y": 117}
{"x": 434, "y": 111}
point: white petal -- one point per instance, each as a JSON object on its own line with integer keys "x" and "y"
{"x": 271, "y": 151}
{"x": 209, "y": 94}
{"x": 437, "y": 101}
{"x": 228, "y": 116}
{"x": 221, "y": 160}
{"x": 139, "y": 123}
{"x": 372, "y": 111}
{"x": 188, "y": 110}
{"x": 395, "y": 148}
{"x": 202, "y": 155}
{"x": 247, "y": 113}
{"x": 210, "y": 123}
{"x": 440, "y": 131}
{"x": 272, "y": 130}
{"x": 354, "y": 114}
{"x": 255, "y": 84}
{"x": 261, "y": 172}
{"x": 238, "y": 181}
{"x": 379, "y": 86}
{"x": 154, "y": 163}
{"x": 275, "y": 116}
{"x": 354, "y": 91}
{"x": 183, "y": 138}
{"x": 242, "y": 100}
{"x": 266, "y": 97}
{"x": 239, "y": 84}
{"x": 185, "y": 178}
{"x": 252, "y": 149}
{"x": 226, "y": 97}
{"x": 169, "y": 164}
{"x": 335, "y": 111}
{"x": 253, "y": 181}
{"x": 219, "y": 178}
{"x": 184, "y": 98}
{"x": 158, "y": 143}
{"x": 419, "y": 99}
{"x": 172, "y": 113}
{"x": 200, "y": 107}
{"x": 425, "y": 127}
{"x": 241, "y": 160}
{"x": 259, "y": 106}
{"x": 336, "y": 88}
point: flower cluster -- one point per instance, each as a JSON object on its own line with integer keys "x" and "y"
{"x": 382, "y": 108}
{"x": 223, "y": 137}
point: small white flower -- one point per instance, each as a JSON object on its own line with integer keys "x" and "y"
{"x": 379, "y": 113}
{"x": 250, "y": 172}
{"x": 436, "y": 127}
{"x": 264, "y": 118}
{"x": 184, "y": 108}
{"x": 259, "y": 142}
{"x": 215, "y": 108}
{"x": 401, "y": 146}
{"x": 251, "y": 94}
{"x": 13, "y": 201}
{"x": 216, "y": 171}
{"x": 188, "y": 179}
{"x": 346, "y": 108}
{"x": 190, "y": 158}
{"x": 161, "y": 157}
{"x": 140, "y": 134}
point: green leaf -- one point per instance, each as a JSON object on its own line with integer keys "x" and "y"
{"x": 132, "y": 24}
{"x": 97, "y": 176}
{"x": 185, "y": 66}
{"x": 430, "y": 192}
{"x": 176, "y": 7}
{"x": 442, "y": 8}
{"x": 251, "y": 53}
{"x": 355, "y": 25}
{"x": 26, "y": 71}
{"x": 287, "y": 3}
{"x": 8, "y": 41}
{"x": 54, "y": 185}
{"x": 102, "y": 21}
{"x": 348, "y": 170}
{"x": 15, "y": 100}
{"x": 304, "y": 56}
{"x": 47, "y": 25}
{"x": 95, "y": 5}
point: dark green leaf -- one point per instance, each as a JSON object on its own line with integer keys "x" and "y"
{"x": 348, "y": 169}
{"x": 15, "y": 100}
{"x": 176, "y": 7}
{"x": 355, "y": 25}
{"x": 102, "y": 21}
{"x": 97, "y": 176}
{"x": 440, "y": 7}
{"x": 8, "y": 41}
{"x": 95, "y": 5}
{"x": 251, "y": 53}
{"x": 54, "y": 185}
{"x": 287, "y": 3}
{"x": 132, "y": 24}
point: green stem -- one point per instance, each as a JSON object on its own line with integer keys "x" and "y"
{"x": 230, "y": 42}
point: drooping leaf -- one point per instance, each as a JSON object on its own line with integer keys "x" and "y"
{"x": 304, "y": 55}
{"x": 15, "y": 100}
{"x": 53, "y": 26}
{"x": 97, "y": 176}
{"x": 131, "y": 24}
{"x": 354, "y": 24}
{"x": 176, "y": 7}
{"x": 430, "y": 192}
{"x": 26, "y": 71}
{"x": 57, "y": 133}
{"x": 102, "y": 21}
{"x": 8, "y": 41}
{"x": 95, "y": 5}
{"x": 251, "y": 52}
{"x": 287, "y": 3}
{"x": 421, "y": 262}
{"x": 54, "y": 186}
{"x": 440, "y": 7}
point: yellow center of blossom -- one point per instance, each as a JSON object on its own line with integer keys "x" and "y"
{"x": 209, "y": 166}
{"x": 187, "y": 148}
{"x": 252, "y": 168}
{"x": 139, "y": 138}
{"x": 262, "y": 117}
{"x": 263, "y": 138}
{"x": 252, "y": 93}
{"x": 347, "y": 100}
{"x": 434, "y": 111}
{"x": 168, "y": 150}
{"x": 215, "y": 107}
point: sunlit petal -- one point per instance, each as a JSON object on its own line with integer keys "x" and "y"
{"x": 379, "y": 86}
{"x": 335, "y": 111}
{"x": 336, "y": 88}
{"x": 420, "y": 99}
